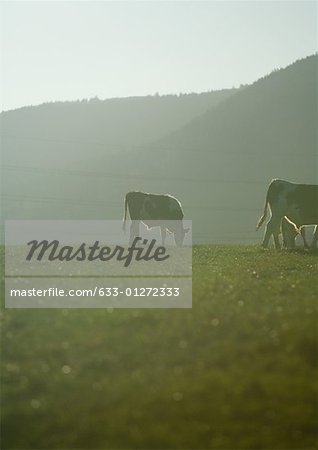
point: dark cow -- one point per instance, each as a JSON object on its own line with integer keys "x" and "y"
{"x": 297, "y": 202}
{"x": 155, "y": 210}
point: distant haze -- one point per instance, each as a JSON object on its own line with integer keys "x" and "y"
{"x": 216, "y": 152}
{"x": 72, "y": 50}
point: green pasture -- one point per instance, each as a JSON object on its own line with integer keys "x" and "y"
{"x": 237, "y": 371}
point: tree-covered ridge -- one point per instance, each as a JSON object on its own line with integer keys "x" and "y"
{"x": 117, "y": 122}
{"x": 61, "y": 162}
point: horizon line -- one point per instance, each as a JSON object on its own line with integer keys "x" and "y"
{"x": 157, "y": 94}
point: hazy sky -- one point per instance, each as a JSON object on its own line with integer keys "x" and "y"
{"x": 73, "y": 50}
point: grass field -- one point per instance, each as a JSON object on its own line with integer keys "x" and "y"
{"x": 237, "y": 371}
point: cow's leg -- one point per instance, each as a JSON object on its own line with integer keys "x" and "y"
{"x": 315, "y": 238}
{"x": 303, "y": 235}
{"x": 178, "y": 232}
{"x": 163, "y": 232}
{"x": 134, "y": 231}
{"x": 267, "y": 236}
{"x": 273, "y": 228}
{"x": 292, "y": 238}
{"x": 289, "y": 234}
{"x": 276, "y": 241}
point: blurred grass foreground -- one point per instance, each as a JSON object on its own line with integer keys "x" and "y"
{"x": 237, "y": 371}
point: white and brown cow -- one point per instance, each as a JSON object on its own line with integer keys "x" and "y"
{"x": 297, "y": 202}
{"x": 155, "y": 210}
{"x": 289, "y": 233}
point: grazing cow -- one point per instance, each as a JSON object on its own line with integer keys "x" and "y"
{"x": 153, "y": 210}
{"x": 289, "y": 233}
{"x": 297, "y": 202}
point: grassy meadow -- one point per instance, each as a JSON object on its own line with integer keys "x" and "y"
{"x": 237, "y": 371}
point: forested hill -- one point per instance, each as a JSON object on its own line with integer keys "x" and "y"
{"x": 221, "y": 163}
{"x": 114, "y": 123}
{"x": 274, "y": 118}
{"x": 216, "y": 152}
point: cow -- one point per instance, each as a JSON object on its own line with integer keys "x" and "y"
{"x": 289, "y": 233}
{"x": 154, "y": 210}
{"x": 297, "y": 202}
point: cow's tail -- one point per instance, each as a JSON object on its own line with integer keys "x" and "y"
{"x": 125, "y": 214}
{"x": 262, "y": 219}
